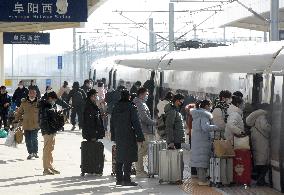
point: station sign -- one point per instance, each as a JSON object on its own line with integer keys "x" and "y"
{"x": 26, "y": 38}
{"x": 43, "y": 10}
{"x": 48, "y": 82}
{"x": 59, "y": 62}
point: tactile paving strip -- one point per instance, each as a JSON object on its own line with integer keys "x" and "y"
{"x": 190, "y": 186}
{"x": 241, "y": 190}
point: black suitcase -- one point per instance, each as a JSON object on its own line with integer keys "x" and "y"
{"x": 92, "y": 157}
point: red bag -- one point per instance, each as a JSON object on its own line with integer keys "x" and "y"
{"x": 242, "y": 166}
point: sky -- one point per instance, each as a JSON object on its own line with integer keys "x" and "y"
{"x": 98, "y": 32}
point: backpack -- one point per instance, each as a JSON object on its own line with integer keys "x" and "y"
{"x": 56, "y": 120}
{"x": 161, "y": 126}
{"x": 77, "y": 98}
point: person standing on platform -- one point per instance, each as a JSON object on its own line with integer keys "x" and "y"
{"x": 5, "y": 102}
{"x": 35, "y": 87}
{"x": 20, "y": 93}
{"x": 29, "y": 113}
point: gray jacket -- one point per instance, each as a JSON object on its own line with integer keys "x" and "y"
{"x": 200, "y": 137}
{"x": 144, "y": 116}
{"x": 174, "y": 125}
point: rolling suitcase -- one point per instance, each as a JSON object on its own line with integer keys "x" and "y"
{"x": 153, "y": 156}
{"x": 221, "y": 171}
{"x": 113, "y": 153}
{"x": 171, "y": 166}
{"x": 92, "y": 157}
{"x": 242, "y": 166}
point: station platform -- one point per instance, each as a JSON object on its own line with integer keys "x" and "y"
{"x": 19, "y": 176}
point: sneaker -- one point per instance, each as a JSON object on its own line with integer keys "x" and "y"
{"x": 35, "y": 155}
{"x": 30, "y": 157}
{"x": 130, "y": 183}
{"x": 73, "y": 128}
{"x": 203, "y": 183}
{"x": 54, "y": 171}
{"x": 47, "y": 172}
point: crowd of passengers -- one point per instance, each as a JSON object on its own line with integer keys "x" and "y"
{"x": 138, "y": 108}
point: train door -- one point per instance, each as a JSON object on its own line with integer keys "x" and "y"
{"x": 95, "y": 75}
{"x": 110, "y": 79}
{"x": 114, "y": 79}
{"x": 277, "y": 133}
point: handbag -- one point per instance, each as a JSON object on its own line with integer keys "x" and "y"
{"x": 10, "y": 140}
{"x": 241, "y": 142}
{"x": 223, "y": 148}
{"x": 19, "y": 135}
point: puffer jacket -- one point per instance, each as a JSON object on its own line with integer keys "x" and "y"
{"x": 235, "y": 123}
{"x": 29, "y": 112}
{"x": 201, "y": 138}
{"x": 175, "y": 131}
{"x": 144, "y": 115}
{"x": 260, "y": 136}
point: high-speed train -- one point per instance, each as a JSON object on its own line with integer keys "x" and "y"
{"x": 254, "y": 69}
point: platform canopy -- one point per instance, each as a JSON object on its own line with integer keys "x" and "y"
{"x": 254, "y": 23}
{"x": 40, "y": 26}
{"x": 244, "y": 58}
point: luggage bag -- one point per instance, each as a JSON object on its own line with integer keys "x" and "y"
{"x": 92, "y": 157}
{"x": 242, "y": 166}
{"x": 171, "y": 166}
{"x": 113, "y": 153}
{"x": 221, "y": 171}
{"x": 153, "y": 156}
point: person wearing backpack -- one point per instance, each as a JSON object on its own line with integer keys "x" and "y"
{"x": 220, "y": 110}
{"x": 175, "y": 131}
{"x": 78, "y": 100}
{"x": 260, "y": 136}
{"x": 47, "y": 116}
{"x": 93, "y": 128}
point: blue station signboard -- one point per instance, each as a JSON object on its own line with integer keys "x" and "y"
{"x": 43, "y": 10}
{"x": 26, "y": 38}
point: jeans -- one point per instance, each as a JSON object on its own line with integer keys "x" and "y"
{"x": 79, "y": 112}
{"x": 31, "y": 141}
{"x": 123, "y": 171}
{"x": 3, "y": 119}
{"x": 49, "y": 142}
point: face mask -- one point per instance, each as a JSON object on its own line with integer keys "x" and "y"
{"x": 32, "y": 99}
{"x": 52, "y": 102}
{"x": 48, "y": 91}
{"x": 146, "y": 98}
{"x": 21, "y": 86}
{"x": 97, "y": 98}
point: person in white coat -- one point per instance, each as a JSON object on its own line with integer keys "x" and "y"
{"x": 260, "y": 136}
{"x": 220, "y": 110}
{"x": 235, "y": 123}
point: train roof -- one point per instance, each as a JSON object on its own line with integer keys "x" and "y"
{"x": 240, "y": 58}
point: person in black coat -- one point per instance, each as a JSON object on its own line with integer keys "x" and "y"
{"x": 5, "y": 101}
{"x": 150, "y": 85}
{"x": 126, "y": 131}
{"x": 78, "y": 100}
{"x": 20, "y": 93}
{"x": 135, "y": 87}
{"x": 93, "y": 128}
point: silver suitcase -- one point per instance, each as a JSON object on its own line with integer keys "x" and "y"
{"x": 171, "y": 166}
{"x": 221, "y": 171}
{"x": 153, "y": 156}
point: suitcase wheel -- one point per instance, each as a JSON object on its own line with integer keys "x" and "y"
{"x": 160, "y": 181}
{"x": 82, "y": 174}
{"x": 112, "y": 174}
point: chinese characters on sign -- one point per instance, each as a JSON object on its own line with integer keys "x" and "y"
{"x": 43, "y": 10}
{"x": 26, "y": 38}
